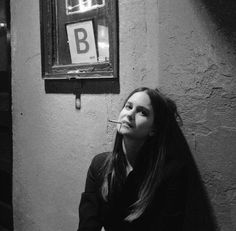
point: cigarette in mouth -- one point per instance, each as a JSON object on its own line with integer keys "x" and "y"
{"x": 114, "y": 121}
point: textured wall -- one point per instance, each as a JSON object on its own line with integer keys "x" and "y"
{"x": 175, "y": 44}
{"x": 197, "y": 62}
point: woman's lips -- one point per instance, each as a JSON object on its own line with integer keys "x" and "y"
{"x": 126, "y": 123}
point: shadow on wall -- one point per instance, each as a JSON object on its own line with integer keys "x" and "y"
{"x": 223, "y": 14}
{"x": 200, "y": 215}
{"x": 199, "y": 212}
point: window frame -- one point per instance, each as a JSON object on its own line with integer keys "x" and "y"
{"x": 49, "y": 46}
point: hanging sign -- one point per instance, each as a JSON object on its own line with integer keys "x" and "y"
{"x": 82, "y": 42}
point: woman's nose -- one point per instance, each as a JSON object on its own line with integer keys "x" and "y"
{"x": 131, "y": 114}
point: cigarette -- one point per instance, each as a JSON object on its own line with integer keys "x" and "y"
{"x": 114, "y": 121}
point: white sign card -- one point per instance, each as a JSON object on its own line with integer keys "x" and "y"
{"x": 82, "y": 42}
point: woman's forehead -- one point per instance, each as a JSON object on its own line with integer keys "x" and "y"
{"x": 141, "y": 99}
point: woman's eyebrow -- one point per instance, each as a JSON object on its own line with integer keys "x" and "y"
{"x": 138, "y": 106}
{"x": 143, "y": 108}
{"x": 129, "y": 103}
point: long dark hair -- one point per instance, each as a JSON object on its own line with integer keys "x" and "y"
{"x": 161, "y": 147}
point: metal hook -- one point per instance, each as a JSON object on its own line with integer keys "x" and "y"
{"x": 77, "y": 92}
{"x": 78, "y": 101}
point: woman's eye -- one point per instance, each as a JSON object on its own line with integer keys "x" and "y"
{"x": 128, "y": 106}
{"x": 143, "y": 113}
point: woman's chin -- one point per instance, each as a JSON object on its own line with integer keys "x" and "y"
{"x": 124, "y": 131}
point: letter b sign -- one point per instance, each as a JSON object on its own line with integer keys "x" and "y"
{"x": 82, "y": 42}
{"x": 80, "y": 38}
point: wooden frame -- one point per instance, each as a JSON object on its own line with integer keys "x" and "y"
{"x": 56, "y": 61}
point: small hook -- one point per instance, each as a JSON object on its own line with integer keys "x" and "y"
{"x": 77, "y": 101}
{"x": 77, "y": 92}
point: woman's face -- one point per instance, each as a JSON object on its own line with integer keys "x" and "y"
{"x": 137, "y": 117}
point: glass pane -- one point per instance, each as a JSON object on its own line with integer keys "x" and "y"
{"x": 83, "y": 32}
{"x": 103, "y": 41}
{"x": 81, "y": 6}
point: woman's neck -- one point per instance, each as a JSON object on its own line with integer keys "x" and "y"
{"x": 131, "y": 149}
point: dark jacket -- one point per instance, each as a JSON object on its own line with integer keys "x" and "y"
{"x": 166, "y": 212}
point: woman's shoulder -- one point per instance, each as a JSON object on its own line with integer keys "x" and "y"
{"x": 100, "y": 158}
{"x": 99, "y": 161}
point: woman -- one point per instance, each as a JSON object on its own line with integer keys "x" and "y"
{"x": 142, "y": 183}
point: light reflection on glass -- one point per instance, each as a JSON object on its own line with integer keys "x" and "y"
{"x": 81, "y": 6}
{"x": 103, "y": 43}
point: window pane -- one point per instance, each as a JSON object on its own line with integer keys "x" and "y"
{"x": 81, "y": 6}
{"x": 69, "y": 41}
{"x": 79, "y": 39}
